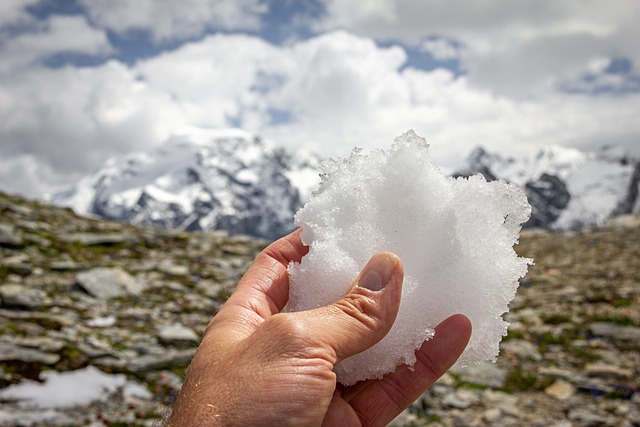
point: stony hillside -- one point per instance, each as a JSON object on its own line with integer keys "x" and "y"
{"x": 572, "y": 357}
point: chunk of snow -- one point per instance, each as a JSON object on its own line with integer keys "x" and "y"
{"x": 66, "y": 389}
{"x": 455, "y": 237}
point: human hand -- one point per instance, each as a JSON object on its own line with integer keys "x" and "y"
{"x": 257, "y": 366}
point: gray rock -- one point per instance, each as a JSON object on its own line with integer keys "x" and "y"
{"x": 14, "y": 295}
{"x": 487, "y": 374}
{"x": 607, "y": 371}
{"x": 46, "y": 344}
{"x": 521, "y": 348}
{"x": 586, "y": 417}
{"x": 52, "y": 320}
{"x": 210, "y": 288}
{"x": 158, "y": 361}
{"x": 18, "y": 264}
{"x": 91, "y": 239}
{"x": 616, "y": 332}
{"x": 491, "y": 415}
{"x": 105, "y": 283}
{"x": 178, "y": 335}
{"x": 9, "y": 237}
{"x": 12, "y": 352}
{"x": 173, "y": 269}
{"x": 460, "y": 399}
{"x": 507, "y": 403}
{"x": 67, "y": 265}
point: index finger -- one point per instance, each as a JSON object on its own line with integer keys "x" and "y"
{"x": 381, "y": 400}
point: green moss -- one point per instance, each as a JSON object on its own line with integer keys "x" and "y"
{"x": 71, "y": 358}
{"x": 621, "y": 302}
{"x": 513, "y": 335}
{"x": 547, "y": 339}
{"x": 17, "y": 370}
{"x": 618, "y": 319}
{"x": 555, "y": 319}
{"x": 585, "y": 354}
{"x": 433, "y": 418}
{"x": 520, "y": 379}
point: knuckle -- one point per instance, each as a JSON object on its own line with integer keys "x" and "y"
{"x": 284, "y": 325}
{"x": 362, "y": 308}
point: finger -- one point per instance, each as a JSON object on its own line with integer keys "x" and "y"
{"x": 383, "y": 400}
{"x": 264, "y": 288}
{"x": 363, "y": 316}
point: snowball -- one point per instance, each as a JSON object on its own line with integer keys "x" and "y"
{"x": 455, "y": 237}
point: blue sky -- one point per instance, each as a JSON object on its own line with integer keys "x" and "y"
{"x": 85, "y": 80}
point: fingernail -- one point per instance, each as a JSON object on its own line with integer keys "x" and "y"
{"x": 378, "y": 271}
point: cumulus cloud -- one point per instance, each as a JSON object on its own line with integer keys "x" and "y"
{"x": 175, "y": 20}
{"x": 440, "y": 49}
{"x": 56, "y": 34}
{"x": 514, "y": 47}
{"x": 335, "y": 91}
{"x": 13, "y": 12}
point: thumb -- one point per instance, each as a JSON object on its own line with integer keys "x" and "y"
{"x": 365, "y": 314}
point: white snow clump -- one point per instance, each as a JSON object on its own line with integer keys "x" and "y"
{"x": 455, "y": 237}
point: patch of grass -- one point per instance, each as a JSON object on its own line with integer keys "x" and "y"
{"x": 562, "y": 339}
{"x": 513, "y": 335}
{"x": 585, "y": 354}
{"x": 16, "y": 370}
{"x": 519, "y": 379}
{"x": 618, "y": 319}
{"x": 555, "y": 319}
{"x": 433, "y": 418}
{"x": 473, "y": 386}
{"x": 621, "y": 302}
{"x": 71, "y": 358}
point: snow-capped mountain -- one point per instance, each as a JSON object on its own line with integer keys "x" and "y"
{"x": 567, "y": 188}
{"x": 203, "y": 180}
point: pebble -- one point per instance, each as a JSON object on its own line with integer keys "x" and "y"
{"x": 560, "y": 390}
{"x": 12, "y": 352}
{"x": 177, "y": 335}
{"x": 20, "y": 296}
{"x": 486, "y": 374}
{"x": 616, "y": 332}
{"x": 460, "y": 399}
{"x": 105, "y": 283}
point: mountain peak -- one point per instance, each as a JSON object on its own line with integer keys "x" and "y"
{"x": 200, "y": 180}
{"x": 566, "y": 187}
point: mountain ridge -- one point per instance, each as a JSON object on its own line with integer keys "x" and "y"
{"x": 567, "y": 189}
{"x": 233, "y": 180}
{"x": 202, "y": 180}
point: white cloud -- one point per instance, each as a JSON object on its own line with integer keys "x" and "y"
{"x": 57, "y": 34}
{"x": 175, "y": 20}
{"x": 440, "y": 49}
{"x": 214, "y": 80}
{"x": 341, "y": 91}
{"x": 13, "y": 12}
{"x": 514, "y": 47}
{"x": 71, "y": 120}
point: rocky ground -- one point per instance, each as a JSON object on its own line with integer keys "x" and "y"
{"x": 78, "y": 294}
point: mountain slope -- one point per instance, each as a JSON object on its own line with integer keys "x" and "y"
{"x": 567, "y": 188}
{"x": 203, "y": 180}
